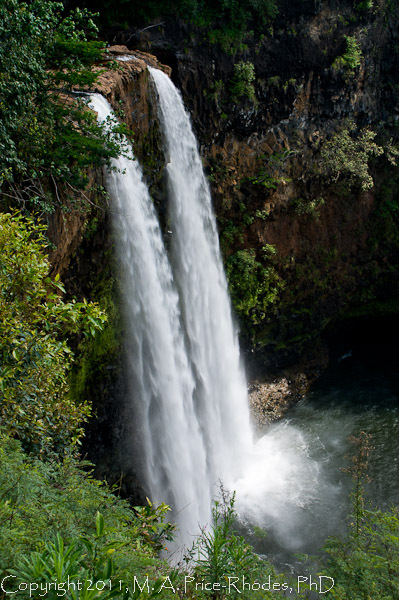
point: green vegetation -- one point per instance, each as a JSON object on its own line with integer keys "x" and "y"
{"x": 34, "y": 358}
{"x": 225, "y": 22}
{"x": 366, "y": 563}
{"x": 275, "y": 81}
{"x": 241, "y": 83}
{"x": 219, "y": 553}
{"x": 352, "y": 57}
{"x": 230, "y": 235}
{"x": 347, "y": 154}
{"x": 262, "y": 214}
{"x": 90, "y": 371}
{"x": 56, "y": 520}
{"x": 311, "y": 207}
{"x": 272, "y": 171}
{"x": 45, "y": 132}
{"x": 364, "y": 6}
{"x": 215, "y": 93}
{"x": 254, "y": 287}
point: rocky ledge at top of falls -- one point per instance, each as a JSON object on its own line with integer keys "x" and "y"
{"x": 117, "y": 83}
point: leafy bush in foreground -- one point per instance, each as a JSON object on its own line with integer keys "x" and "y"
{"x": 53, "y": 512}
{"x": 34, "y": 357}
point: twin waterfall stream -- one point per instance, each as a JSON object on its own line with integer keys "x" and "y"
{"x": 183, "y": 350}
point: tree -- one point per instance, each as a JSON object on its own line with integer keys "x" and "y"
{"x": 34, "y": 358}
{"x": 45, "y": 131}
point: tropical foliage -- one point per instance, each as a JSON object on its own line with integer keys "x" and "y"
{"x": 347, "y": 154}
{"x": 45, "y": 130}
{"x": 34, "y": 355}
{"x": 254, "y": 286}
{"x": 223, "y": 21}
{"x": 57, "y": 521}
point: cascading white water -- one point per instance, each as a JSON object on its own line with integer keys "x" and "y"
{"x": 220, "y": 394}
{"x": 161, "y": 374}
{"x": 183, "y": 349}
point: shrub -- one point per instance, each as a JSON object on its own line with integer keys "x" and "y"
{"x": 242, "y": 81}
{"x": 253, "y": 287}
{"x": 348, "y": 154}
{"x": 223, "y": 560}
{"x": 351, "y": 59}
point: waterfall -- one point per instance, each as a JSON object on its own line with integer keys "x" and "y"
{"x": 160, "y": 374}
{"x": 182, "y": 349}
{"x": 220, "y": 395}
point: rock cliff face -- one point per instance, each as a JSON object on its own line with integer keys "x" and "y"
{"x": 317, "y": 69}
